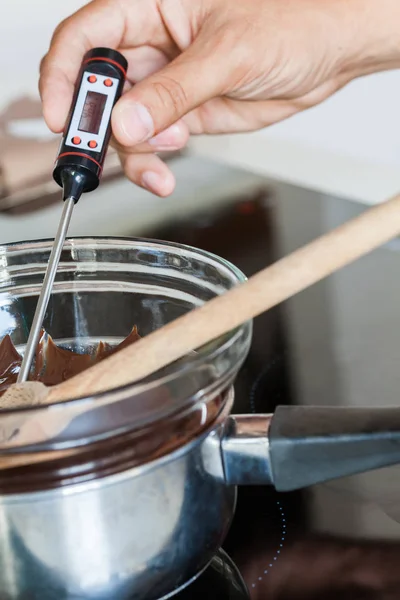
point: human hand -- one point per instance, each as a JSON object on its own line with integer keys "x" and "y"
{"x": 214, "y": 66}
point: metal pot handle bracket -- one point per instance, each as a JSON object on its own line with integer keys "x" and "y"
{"x": 299, "y": 446}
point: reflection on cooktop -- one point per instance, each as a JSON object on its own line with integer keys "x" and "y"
{"x": 334, "y": 344}
{"x": 220, "y": 581}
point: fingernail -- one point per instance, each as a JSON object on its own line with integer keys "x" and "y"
{"x": 152, "y": 181}
{"x": 135, "y": 121}
{"x": 168, "y": 139}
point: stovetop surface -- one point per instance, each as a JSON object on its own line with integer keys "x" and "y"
{"x": 336, "y": 344}
{"x": 220, "y": 581}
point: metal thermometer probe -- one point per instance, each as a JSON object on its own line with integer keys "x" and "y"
{"x": 80, "y": 161}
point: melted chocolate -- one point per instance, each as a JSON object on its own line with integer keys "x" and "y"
{"x": 53, "y": 364}
{"x": 10, "y": 363}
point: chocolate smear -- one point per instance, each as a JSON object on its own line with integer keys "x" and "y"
{"x": 53, "y": 364}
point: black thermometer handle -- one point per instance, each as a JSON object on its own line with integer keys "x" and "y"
{"x": 86, "y": 136}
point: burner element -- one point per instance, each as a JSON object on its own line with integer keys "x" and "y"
{"x": 269, "y": 566}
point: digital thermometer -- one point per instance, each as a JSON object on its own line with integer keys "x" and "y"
{"x": 86, "y": 136}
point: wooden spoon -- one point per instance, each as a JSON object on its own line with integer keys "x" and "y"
{"x": 220, "y": 315}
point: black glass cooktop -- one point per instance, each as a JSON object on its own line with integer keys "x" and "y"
{"x": 221, "y": 581}
{"x": 337, "y": 344}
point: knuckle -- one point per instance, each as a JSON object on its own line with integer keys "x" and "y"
{"x": 60, "y": 29}
{"x": 42, "y": 64}
{"x": 171, "y": 94}
{"x": 238, "y": 39}
{"x": 60, "y": 32}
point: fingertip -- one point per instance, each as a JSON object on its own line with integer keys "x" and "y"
{"x": 149, "y": 172}
{"x": 56, "y": 93}
{"x": 53, "y": 118}
{"x": 162, "y": 184}
{"x": 174, "y": 137}
{"x": 131, "y": 122}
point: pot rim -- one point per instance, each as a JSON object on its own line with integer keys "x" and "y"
{"x": 137, "y": 471}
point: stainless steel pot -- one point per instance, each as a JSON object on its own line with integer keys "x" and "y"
{"x": 133, "y": 500}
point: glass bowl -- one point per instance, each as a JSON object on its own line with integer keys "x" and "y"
{"x": 103, "y": 287}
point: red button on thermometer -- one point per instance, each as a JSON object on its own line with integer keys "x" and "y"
{"x": 80, "y": 160}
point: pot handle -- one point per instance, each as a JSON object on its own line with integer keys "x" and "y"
{"x": 309, "y": 444}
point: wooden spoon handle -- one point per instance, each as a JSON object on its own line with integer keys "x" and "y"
{"x": 220, "y": 315}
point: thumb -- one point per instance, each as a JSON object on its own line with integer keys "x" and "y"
{"x": 163, "y": 98}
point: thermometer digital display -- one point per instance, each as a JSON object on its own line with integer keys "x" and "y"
{"x": 92, "y": 112}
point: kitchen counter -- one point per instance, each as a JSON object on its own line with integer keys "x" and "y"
{"x": 120, "y": 208}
